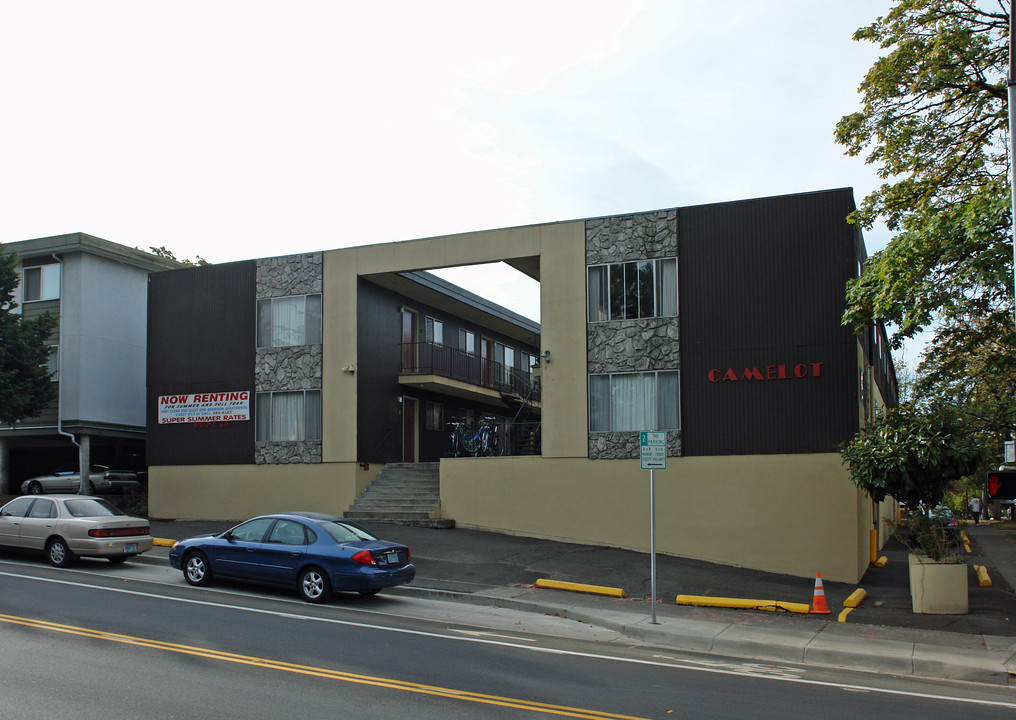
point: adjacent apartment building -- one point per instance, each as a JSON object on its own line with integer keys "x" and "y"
{"x": 288, "y": 382}
{"x": 98, "y": 290}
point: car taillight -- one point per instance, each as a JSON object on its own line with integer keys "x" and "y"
{"x": 365, "y": 557}
{"x": 117, "y": 532}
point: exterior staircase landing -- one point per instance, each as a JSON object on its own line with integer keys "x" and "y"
{"x": 402, "y": 494}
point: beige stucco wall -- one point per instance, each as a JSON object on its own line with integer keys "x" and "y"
{"x": 236, "y": 492}
{"x": 794, "y": 514}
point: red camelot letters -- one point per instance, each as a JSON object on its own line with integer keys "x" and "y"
{"x": 768, "y": 372}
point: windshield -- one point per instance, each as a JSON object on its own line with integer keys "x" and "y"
{"x": 90, "y": 507}
{"x": 343, "y": 532}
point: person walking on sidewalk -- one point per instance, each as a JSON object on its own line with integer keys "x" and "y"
{"x": 975, "y": 509}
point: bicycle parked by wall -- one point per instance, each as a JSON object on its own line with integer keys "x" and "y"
{"x": 483, "y": 440}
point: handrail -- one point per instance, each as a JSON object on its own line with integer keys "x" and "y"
{"x": 430, "y": 358}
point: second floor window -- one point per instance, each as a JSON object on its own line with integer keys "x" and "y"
{"x": 287, "y": 321}
{"x": 41, "y": 283}
{"x": 467, "y": 342}
{"x": 435, "y": 331}
{"x": 629, "y": 290}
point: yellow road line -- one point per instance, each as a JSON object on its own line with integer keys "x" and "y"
{"x": 562, "y": 710}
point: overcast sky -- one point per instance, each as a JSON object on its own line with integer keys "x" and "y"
{"x": 236, "y": 130}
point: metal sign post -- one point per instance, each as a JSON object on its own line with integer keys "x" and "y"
{"x": 653, "y": 457}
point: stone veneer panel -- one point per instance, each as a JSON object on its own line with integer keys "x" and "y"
{"x": 633, "y": 346}
{"x": 281, "y": 453}
{"x": 627, "y": 445}
{"x": 631, "y": 237}
{"x": 288, "y": 368}
{"x": 641, "y": 345}
{"x": 290, "y": 275}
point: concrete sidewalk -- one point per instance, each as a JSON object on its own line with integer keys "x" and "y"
{"x": 882, "y": 635}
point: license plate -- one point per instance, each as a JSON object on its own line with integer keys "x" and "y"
{"x": 130, "y": 547}
{"x": 392, "y": 558}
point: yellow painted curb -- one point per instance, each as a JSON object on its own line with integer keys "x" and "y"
{"x": 882, "y": 562}
{"x": 855, "y": 598}
{"x": 842, "y": 617}
{"x": 742, "y": 603}
{"x": 982, "y": 576}
{"x": 579, "y": 587}
{"x": 163, "y": 542}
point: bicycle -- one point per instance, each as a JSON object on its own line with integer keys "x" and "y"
{"x": 483, "y": 441}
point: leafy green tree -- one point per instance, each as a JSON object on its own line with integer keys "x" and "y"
{"x": 912, "y": 453}
{"x": 934, "y": 122}
{"x": 164, "y": 252}
{"x": 25, "y": 387}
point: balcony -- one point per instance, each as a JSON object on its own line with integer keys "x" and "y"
{"x": 449, "y": 371}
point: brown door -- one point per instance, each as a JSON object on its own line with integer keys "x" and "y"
{"x": 486, "y": 358}
{"x": 409, "y": 425}
{"x": 408, "y": 341}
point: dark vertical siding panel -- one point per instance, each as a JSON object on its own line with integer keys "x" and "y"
{"x": 201, "y": 338}
{"x": 379, "y": 337}
{"x": 762, "y": 284}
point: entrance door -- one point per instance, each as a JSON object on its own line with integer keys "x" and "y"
{"x": 486, "y": 358}
{"x": 408, "y": 341}
{"x": 409, "y": 428}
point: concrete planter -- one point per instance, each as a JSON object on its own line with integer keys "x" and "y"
{"x": 938, "y": 588}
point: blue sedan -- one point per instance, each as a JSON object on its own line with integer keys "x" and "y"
{"x": 313, "y": 552}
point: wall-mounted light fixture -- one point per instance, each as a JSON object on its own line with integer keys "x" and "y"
{"x": 546, "y": 357}
{"x": 349, "y": 369}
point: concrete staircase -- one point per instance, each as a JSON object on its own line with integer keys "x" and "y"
{"x": 403, "y": 494}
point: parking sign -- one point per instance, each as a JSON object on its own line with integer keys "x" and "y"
{"x": 653, "y": 447}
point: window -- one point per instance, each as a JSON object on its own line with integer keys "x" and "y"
{"x": 251, "y": 531}
{"x": 287, "y": 532}
{"x": 634, "y": 401}
{"x": 624, "y": 291}
{"x": 435, "y": 416}
{"x": 435, "y": 331}
{"x": 467, "y": 342}
{"x": 288, "y": 321}
{"x": 41, "y": 283}
{"x": 288, "y": 415}
{"x": 43, "y": 509}
{"x": 53, "y": 363}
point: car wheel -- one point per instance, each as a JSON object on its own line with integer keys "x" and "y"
{"x": 91, "y": 488}
{"x": 34, "y": 489}
{"x": 196, "y": 570}
{"x": 58, "y": 554}
{"x": 314, "y": 585}
{"x": 117, "y": 559}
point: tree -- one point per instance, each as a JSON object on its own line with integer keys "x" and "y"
{"x": 934, "y": 121}
{"x": 912, "y": 453}
{"x": 25, "y": 386}
{"x": 167, "y": 254}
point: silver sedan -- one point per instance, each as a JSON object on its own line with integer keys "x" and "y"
{"x": 67, "y": 479}
{"x": 66, "y": 527}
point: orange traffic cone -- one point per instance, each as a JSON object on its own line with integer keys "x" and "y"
{"x": 818, "y": 603}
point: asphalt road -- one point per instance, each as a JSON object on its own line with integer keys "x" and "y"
{"x": 100, "y": 641}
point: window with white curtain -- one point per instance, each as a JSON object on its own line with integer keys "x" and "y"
{"x": 291, "y": 415}
{"x": 288, "y": 321}
{"x": 620, "y": 402}
{"x": 624, "y": 291}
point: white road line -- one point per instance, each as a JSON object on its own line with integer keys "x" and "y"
{"x": 550, "y": 651}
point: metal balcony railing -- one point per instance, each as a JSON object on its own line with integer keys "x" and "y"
{"x": 428, "y": 358}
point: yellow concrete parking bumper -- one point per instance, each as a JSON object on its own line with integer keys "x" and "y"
{"x": 579, "y": 587}
{"x": 163, "y": 542}
{"x": 743, "y": 603}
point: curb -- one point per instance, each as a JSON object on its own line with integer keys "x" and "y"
{"x": 821, "y": 648}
